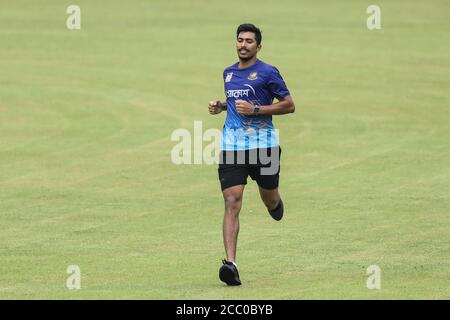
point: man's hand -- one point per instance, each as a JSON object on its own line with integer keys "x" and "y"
{"x": 244, "y": 107}
{"x": 214, "y": 107}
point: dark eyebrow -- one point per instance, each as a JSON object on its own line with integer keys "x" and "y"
{"x": 240, "y": 38}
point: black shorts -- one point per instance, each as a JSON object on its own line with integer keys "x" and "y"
{"x": 263, "y": 166}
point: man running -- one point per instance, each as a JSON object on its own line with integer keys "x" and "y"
{"x": 250, "y": 144}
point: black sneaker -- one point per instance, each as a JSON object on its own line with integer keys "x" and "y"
{"x": 277, "y": 213}
{"x": 229, "y": 274}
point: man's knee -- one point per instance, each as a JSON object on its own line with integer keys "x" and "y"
{"x": 233, "y": 203}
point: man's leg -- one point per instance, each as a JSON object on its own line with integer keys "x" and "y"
{"x": 268, "y": 181}
{"x": 272, "y": 200}
{"x": 269, "y": 197}
{"x": 233, "y": 202}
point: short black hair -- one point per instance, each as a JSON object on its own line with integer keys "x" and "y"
{"x": 249, "y": 27}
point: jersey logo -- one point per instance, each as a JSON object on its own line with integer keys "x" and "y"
{"x": 253, "y": 76}
{"x": 228, "y": 77}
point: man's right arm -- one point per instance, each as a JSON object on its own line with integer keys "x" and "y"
{"x": 216, "y": 107}
{"x": 223, "y": 105}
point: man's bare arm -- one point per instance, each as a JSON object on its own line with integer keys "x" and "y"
{"x": 284, "y": 106}
{"x": 216, "y": 107}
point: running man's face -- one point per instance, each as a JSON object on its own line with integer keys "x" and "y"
{"x": 246, "y": 46}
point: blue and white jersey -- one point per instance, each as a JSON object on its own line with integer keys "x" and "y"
{"x": 258, "y": 84}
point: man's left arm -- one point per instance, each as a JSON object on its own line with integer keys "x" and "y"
{"x": 283, "y": 106}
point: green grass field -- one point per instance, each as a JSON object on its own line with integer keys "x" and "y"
{"x": 86, "y": 176}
